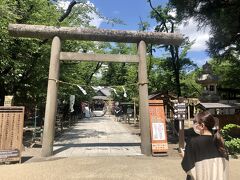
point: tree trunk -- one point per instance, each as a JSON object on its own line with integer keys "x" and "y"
{"x": 2, "y": 93}
{"x": 177, "y": 73}
{"x": 98, "y": 66}
{"x": 176, "y": 68}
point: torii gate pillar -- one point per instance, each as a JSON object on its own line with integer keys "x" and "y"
{"x": 143, "y": 99}
{"x": 51, "y": 104}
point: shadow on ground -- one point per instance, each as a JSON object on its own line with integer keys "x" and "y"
{"x": 67, "y": 146}
{"x": 79, "y": 133}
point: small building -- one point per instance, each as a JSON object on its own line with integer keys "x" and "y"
{"x": 102, "y": 103}
{"x": 220, "y": 108}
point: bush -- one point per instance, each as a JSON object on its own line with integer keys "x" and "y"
{"x": 231, "y": 143}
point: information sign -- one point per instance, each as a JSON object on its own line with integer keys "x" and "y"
{"x": 158, "y": 127}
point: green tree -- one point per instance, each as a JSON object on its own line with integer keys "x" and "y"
{"x": 177, "y": 60}
{"x": 223, "y": 17}
{"x": 122, "y": 74}
{"x": 161, "y": 77}
{"x": 24, "y": 62}
{"x": 228, "y": 73}
{"x": 189, "y": 86}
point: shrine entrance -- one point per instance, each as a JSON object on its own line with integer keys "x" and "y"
{"x": 59, "y": 34}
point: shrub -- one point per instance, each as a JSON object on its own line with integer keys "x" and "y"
{"x": 231, "y": 143}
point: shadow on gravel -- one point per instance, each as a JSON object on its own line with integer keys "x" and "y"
{"x": 80, "y": 133}
{"x": 67, "y": 146}
{"x": 92, "y": 120}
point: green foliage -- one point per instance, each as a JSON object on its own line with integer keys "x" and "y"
{"x": 122, "y": 74}
{"x": 24, "y": 63}
{"x": 228, "y": 72}
{"x": 226, "y": 130}
{"x": 176, "y": 60}
{"x": 80, "y": 15}
{"x": 189, "y": 86}
{"x": 232, "y": 144}
{"x": 161, "y": 77}
{"x": 222, "y": 17}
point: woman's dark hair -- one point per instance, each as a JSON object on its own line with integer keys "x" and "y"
{"x": 208, "y": 120}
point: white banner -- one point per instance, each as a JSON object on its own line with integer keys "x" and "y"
{"x": 125, "y": 93}
{"x": 72, "y": 101}
{"x": 81, "y": 89}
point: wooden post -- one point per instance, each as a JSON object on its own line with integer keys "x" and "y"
{"x": 134, "y": 111}
{"x": 143, "y": 100}
{"x": 194, "y": 110}
{"x": 51, "y": 104}
{"x": 181, "y": 116}
{"x": 181, "y": 133}
{"x": 189, "y": 117}
{"x": 166, "y": 111}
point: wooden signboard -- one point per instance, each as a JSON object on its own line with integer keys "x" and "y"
{"x": 11, "y": 133}
{"x": 8, "y": 100}
{"x": 158, "y": 127}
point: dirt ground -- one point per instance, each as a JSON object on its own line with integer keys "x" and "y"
{"x": 137, "y": 167}
{"x": 34, "y": 167}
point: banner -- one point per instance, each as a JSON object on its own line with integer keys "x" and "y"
{"x": 72, "y": 102}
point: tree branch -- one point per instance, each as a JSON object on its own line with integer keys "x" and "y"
{"x": 95, "y": 70}
{"x": 68, "y": 11}
{"x": 163, "y": 22}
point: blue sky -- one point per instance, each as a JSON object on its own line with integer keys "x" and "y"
{"x": 130, "y": 12}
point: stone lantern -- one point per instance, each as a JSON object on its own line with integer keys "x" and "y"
{"x": 209, "y": 83}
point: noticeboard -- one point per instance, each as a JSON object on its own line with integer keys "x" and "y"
{"x": 11, "y": 133}
{"x": 158, "y": 127}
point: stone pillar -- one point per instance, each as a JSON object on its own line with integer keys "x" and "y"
{"x": 51, "y": 103}
{"x": 143, "y": 100}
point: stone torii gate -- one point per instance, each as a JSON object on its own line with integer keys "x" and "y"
{"x": 58, "y": 34}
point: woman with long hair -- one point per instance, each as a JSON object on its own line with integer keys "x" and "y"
{"x": 205, "y": 156}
